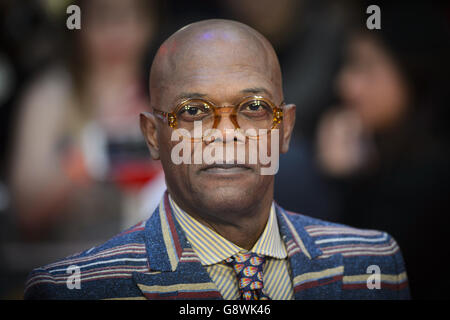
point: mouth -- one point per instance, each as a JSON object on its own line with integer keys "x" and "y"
{"x": 225, "y": 169}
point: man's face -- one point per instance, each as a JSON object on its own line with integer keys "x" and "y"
{"x": 225, "y": 77}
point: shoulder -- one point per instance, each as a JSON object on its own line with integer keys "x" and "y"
{"x": 332, "y": 238}
{"x": 363, "y": 252}
{"x": 100, "y": 272}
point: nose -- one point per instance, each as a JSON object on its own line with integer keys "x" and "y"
{"x": 226, "y": 123}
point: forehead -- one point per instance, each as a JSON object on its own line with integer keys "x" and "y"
{"x": 220, "y": 86}
{"x": 218, "y": 70}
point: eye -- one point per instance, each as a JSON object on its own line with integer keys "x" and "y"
{"x": 192, "y": 110}
{"x": 254, "y": 106}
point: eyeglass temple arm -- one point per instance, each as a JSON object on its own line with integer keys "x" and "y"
{"x": 160, "y": 114}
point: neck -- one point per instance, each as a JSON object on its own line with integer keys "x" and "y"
{"x": 243, "y": 227}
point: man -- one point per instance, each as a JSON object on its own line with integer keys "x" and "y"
{"x": 217, "y": 232}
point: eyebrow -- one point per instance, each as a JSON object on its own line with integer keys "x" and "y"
{"x": 190, "y": 95}
{"x": 257, "y": 90}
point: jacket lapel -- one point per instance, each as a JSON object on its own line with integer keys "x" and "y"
{"x": 175, "y": 271}
{"x": 313, "y": 277}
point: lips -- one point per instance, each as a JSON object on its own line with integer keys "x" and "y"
{"x": 225, "y": 168}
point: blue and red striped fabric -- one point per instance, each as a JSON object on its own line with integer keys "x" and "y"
{"x": 154, "y": 260}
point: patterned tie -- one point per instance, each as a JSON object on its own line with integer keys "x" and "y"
{"x": 249, "y": 270}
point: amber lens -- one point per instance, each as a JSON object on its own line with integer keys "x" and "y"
{"x": 254, "y": 115}
{"x": 195, "y": 111}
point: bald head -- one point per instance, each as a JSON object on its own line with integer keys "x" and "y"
{"x": 210, "y": 49}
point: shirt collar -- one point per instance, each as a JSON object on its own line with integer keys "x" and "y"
{"x": 212, "y": 248}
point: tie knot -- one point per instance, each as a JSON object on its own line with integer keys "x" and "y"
{"x": 241, "y": 260}
{"x": 249, "y": 270}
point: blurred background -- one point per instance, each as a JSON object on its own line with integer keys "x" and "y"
{"x": 370, "y": 147}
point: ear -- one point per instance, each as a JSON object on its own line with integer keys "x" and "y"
{"x": 150, "y": 132}
{"x": 288, "y": 127}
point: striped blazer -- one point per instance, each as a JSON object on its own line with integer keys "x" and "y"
{"x": 153, "y": 260}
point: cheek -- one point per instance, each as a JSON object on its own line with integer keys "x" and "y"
{"x": 177, "y": 175}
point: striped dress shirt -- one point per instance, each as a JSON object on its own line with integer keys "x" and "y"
{"x": 212, "y": 249}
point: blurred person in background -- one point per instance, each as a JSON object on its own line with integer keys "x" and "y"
{"x": 78, "y": 153}
{"x": 18, "y": 61}
{"x": 384, "y": 149}
{"x": 27, "y": 46}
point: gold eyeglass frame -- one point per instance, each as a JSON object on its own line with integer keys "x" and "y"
{"x": 171, "y": 118}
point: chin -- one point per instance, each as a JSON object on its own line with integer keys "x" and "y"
{"x": 227, "y": 198}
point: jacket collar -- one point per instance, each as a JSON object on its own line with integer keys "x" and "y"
{"x": 323, "y": 276}
{"x": 206, "y": 242}
{"x": 176, "y": 271}
{"x": 295, "y": 236}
